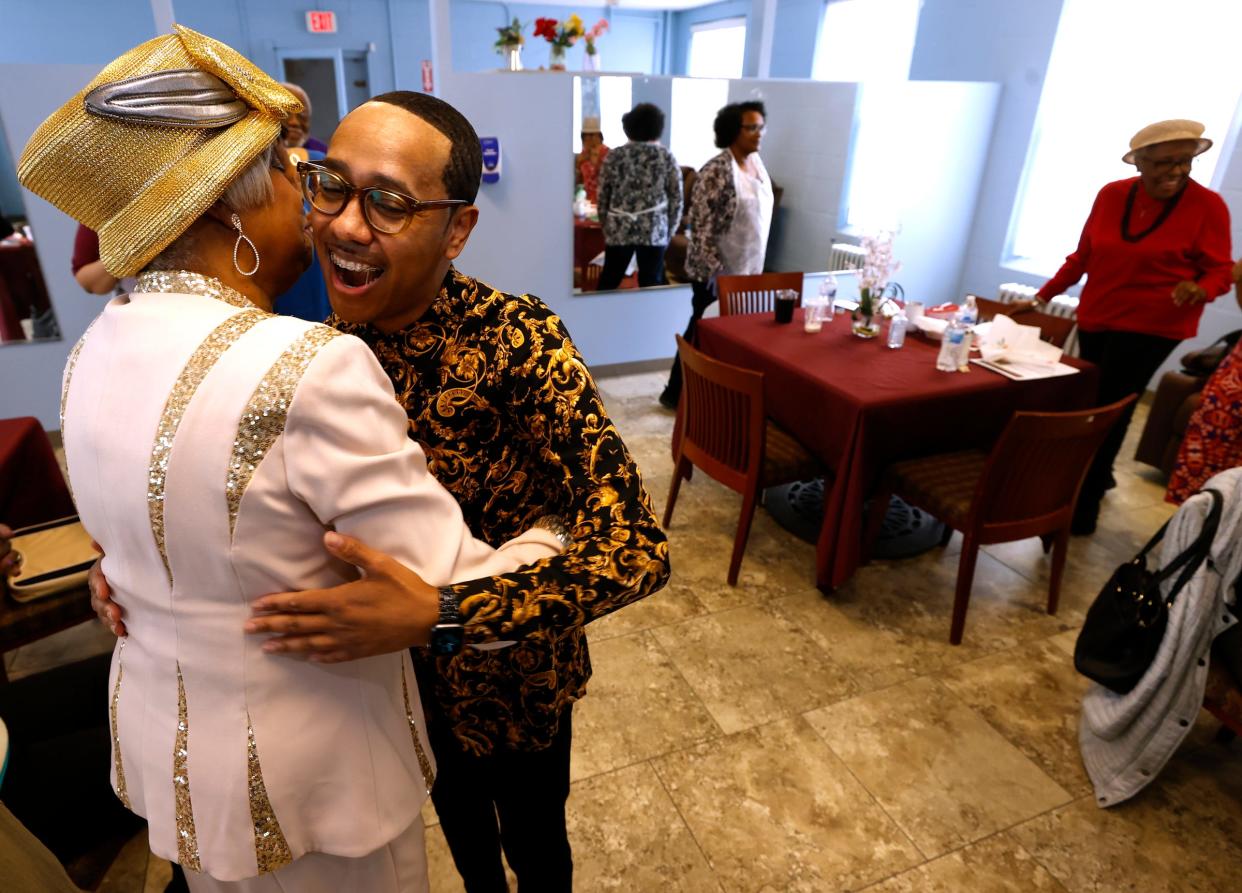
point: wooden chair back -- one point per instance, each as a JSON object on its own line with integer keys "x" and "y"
{"x": 722, "y": 417}
{"x": 755, "y": 294}
{"x": 1034, "y": 472}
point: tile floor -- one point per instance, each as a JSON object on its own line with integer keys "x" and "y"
{"x": 763, "y": 738}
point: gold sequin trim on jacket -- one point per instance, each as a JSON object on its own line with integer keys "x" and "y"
{"x": 271, "y": 850}
{"x": 121, "y": 790}
{"x": 64, "y": 397}
{"x": 187, "y": 840}
{"x": 424, "y": 764}
{"x": 263, "y": 419}
{"x": 202, "y": 361}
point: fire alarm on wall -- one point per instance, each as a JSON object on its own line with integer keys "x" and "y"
{"x": 321, "y": 21}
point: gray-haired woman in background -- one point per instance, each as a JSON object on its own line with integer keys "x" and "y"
{"x": 639, "y": 199}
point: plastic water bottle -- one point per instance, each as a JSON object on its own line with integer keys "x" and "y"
{"x": 580, "y": 202}
{"x": 897, "y": 330}
{"x": 968, "y": 313}
{"x": 828, "y": 294}
{"x": 950, "y": 357}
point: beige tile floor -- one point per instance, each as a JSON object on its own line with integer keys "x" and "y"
{"x": 764, "y": 738}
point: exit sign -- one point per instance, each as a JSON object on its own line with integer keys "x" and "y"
{"x": 321, "y": 21}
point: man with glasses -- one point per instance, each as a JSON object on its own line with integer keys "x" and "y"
{"x": 512, "y": 424}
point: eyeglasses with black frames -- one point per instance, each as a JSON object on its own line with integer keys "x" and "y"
{"x": 384, "y": 210}
{"x": 1164, "y": 165}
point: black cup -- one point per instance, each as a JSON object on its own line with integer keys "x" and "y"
{"x": 785, "y": 306}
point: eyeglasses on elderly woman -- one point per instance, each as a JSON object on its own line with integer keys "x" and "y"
{"x": 384, "y": 210}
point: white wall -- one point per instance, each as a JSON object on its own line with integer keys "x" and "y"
{"x": 30, "y": 373}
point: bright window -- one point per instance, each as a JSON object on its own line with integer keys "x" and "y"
{"x": 866, "y": 40}
{"x": 1098, "y": 92}
{"x": 717, "y": 49}
{"x": 613, "y": 97}
{"x": 692, "y": 139}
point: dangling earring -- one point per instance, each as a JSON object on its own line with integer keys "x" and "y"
{"x": 242, "y": 237}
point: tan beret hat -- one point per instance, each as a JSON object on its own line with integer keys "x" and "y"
{"x": 1167, "y": 132}
{"x": 153, "y": 141}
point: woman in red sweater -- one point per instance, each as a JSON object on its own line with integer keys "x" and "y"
{"x": 1155, "y": 249}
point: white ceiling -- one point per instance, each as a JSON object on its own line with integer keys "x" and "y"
{"x": 670, "y": 5}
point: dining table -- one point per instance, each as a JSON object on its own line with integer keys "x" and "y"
{"x": 859, "y": 406}
{"x": 33, "y": 490}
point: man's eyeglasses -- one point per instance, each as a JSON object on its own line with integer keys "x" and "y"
{"x": 1164, "y": 165}
{"x": 755, "y": 128}
{"x": 385, "y": 211}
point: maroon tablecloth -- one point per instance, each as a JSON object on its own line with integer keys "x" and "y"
{"x": 859, "y": 407}
{"x": 32, "y": 489}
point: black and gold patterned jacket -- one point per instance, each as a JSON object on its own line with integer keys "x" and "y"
{"x": 514, "y": 427}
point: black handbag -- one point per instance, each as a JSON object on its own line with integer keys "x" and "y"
{"x": 1122, "y": 632}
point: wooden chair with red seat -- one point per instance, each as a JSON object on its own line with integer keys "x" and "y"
{"x": 724, "y": 430}
{"x": 1025, "y": 487}
{"x": 755, "y": 294}
{"x": 1053, "y": 329}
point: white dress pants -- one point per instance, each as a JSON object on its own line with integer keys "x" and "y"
{"x": 399, "y": 867}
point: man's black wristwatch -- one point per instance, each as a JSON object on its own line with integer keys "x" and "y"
{"x": 448, "y": 635}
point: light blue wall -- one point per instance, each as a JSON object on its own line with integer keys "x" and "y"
{"x": 396, "y": 29}
{"x": 681, "y": 22}
{"x": 793, "y": 44}
{"x": 634, "y": 42}
{"x": 71, "y": 31}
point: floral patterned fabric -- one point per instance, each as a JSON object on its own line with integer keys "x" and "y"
{"x": 1213, "y": 440}
{"x": 712, "y": 205}
{"x": 636, "y": 180}
{"x": 513, "y": 426}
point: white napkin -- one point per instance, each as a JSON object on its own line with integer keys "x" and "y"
{"x": 1005, "y": 341}
{"x": 932, "y": 326}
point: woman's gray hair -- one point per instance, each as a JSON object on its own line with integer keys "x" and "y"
{"x": 251, "y": 189}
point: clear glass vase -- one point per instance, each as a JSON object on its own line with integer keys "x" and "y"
{"x": 865, "y": 324}
{"x": 513, "y": 57}
{"x": 590, "y": 60}
{"x": 556, "y": 58}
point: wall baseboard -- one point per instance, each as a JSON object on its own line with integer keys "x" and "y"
{"x": 614, "y": 370}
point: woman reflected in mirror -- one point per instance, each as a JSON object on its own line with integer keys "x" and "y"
{"x": 639, "y": 200}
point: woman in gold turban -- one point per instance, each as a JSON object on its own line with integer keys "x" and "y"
{"x": 210, "y": 446}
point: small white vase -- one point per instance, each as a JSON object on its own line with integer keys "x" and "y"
{"x": 513, "y": 58}
{"x": 590, "y": 61}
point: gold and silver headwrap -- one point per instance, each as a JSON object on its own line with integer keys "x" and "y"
{"x": 153, "y": 142}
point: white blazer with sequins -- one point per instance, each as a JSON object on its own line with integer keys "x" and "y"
{"x": 209, "y": 446}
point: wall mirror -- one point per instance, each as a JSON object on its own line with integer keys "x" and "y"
{"x": 803, "y": 178}
{"x": 26, "y": 313}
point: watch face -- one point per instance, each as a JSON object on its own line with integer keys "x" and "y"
{"x": 447, "y": 638}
